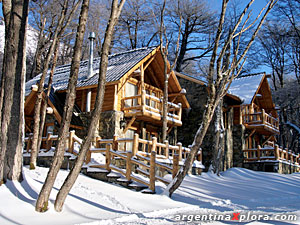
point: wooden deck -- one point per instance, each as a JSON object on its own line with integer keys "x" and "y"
{"x": 262, "y": 122}
{"x": 150, "y": 108}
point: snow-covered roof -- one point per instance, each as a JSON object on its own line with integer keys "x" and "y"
{"x": 245, "y": 87}
{"x": 118, "y": 65}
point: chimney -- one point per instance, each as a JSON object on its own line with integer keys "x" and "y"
{"x": 90, "y": 70}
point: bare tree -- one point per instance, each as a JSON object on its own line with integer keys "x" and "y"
{"x": 42, "y": 201}
{"x": 197, "y": 24}
{"x": 37, "y": 128}
{"x": 70, "y": 180}
{"x": 219, "y": 77}
{"x": 164, "y": 51}
{"x": 12, "y": 90}
{"x": 136, "y": 26}
{"x": 275, "y": 40}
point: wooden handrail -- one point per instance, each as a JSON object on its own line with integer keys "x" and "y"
{"x": 271, "y": 153}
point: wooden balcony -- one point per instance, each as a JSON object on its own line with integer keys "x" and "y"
{"x": 261, "y": 121}
{"x": 271, "y": 154}
{"x": 150, "y": 108}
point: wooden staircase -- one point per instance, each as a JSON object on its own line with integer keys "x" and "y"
{"x": 137, "y": 168}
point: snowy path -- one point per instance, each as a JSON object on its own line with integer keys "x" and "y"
{"x": 95, "y": 202}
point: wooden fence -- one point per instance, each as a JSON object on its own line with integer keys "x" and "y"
{"x": 271, "y": 153}
{"x": 144, "y": 157}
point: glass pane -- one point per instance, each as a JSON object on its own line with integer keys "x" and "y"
{"x": 130, "y": 90}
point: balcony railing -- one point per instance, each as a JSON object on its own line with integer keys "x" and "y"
{"x": 151, "y": 106}
{"x": 261, "y": 119}
{"x": 269, "y": 153}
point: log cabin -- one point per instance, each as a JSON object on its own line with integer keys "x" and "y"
{"x": 250, "y": 120}
{"x": 132, "y": 101}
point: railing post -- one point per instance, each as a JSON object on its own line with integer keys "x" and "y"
{"x": 263, "y": 116}
{"x": 152, "y": 170}
{"x": 88, "y": 156}
{"x": 200, "y": 155}
{"x": 48, "y": 141}
{"x": 287, "y": 154}
{"x": 258, "y": 152}
{"x": 276, "y": 152}
{"x": 29, "y": 142}
{"x": 71, "y": 141}
{"x": 179, "y": 151}
{"x": 175, "y": 165}
{"x": 107, "y": 157}
{"x": 115, "y": 143}
{"x": 128, "y": 165}
{"x": 135, "y": 145}
{"x": 97, "y": 142}
{"x": 166, "y": 152}
{"x": 154, "y": 141}
{"x": 143, "y": 100}
{"x": 180, "y": 111}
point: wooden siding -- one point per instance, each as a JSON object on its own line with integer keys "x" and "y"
{"x": 108, "y": 103}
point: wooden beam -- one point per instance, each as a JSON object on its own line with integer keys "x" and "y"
{"x": 148, "y": 63}
{"x": 129, "y": 124}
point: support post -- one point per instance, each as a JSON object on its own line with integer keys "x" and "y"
{"x": 107, "y": 157}
{"x": 175, "y": 165}
{"x": 166, "y": 142}
{"x": 71, "y": 141}
{"x": 152, "y": 170}
{"x": 48, "y": 141}
{"x": 276, "y": 152}
{"x": 115, "y": 143}
{"x": 128, "y": 165}
{"x": 258, "y": 152}
{"x": 135, "y": 145}
{"x": 179, "y": 151}
{"x": 263, "y": 116}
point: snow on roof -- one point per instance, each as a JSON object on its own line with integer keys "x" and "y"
{"x": 118, "y": 65}
{"x": 245, "y": 87}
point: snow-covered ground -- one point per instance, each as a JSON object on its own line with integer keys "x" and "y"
{"x": 91, "y": 201}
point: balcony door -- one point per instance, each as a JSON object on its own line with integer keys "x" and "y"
{"x": 131, "y": 90}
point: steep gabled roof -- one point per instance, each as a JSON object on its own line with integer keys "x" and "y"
{"x": 245, "y": 87}
{"x": 118, "y": 65}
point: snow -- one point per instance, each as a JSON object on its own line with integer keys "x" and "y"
{"x": 96, "y": 202}
{"x": 31, "y": 39}
{"x": 245, "y": 87}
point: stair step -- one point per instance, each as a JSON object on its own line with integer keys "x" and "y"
{"x": 137, "y": 186}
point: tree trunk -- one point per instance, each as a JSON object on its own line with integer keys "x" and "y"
{"x": 42, "y": 202}
{"x": 40, "y": 92}
{"x": 207, "y": 117}
{"x": 12, "y": 125}
{"x": 45, "y": 104}
{"x": 218, "y": 142}
{"x": 70, "y": 180}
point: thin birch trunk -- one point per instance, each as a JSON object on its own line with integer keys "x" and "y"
{"x": 40, "y": 92}
{"x": 70, "y": 180}
{"x": 42, "y": 201}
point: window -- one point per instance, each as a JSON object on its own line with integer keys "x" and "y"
{"x": 130, "y": 90}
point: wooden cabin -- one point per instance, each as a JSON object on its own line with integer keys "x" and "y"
{"x": 251, "y": 123}
{"x": 132, "y": 101}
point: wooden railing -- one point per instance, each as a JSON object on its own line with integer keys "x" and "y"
{"x": 261, "y": 118}
{"x": 271, "y": 153}
{"x": 48, "y": 141}
{"x": 143, "y": 156}
{"x": 148, "y": 104}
